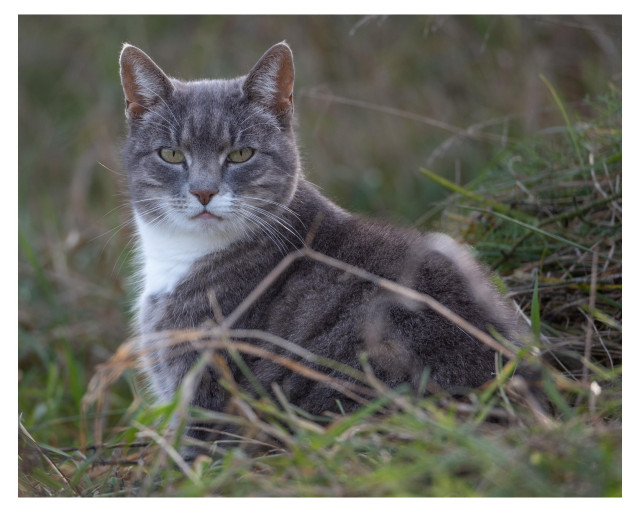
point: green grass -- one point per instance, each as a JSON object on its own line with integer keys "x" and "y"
{"x": 539, "y": 213}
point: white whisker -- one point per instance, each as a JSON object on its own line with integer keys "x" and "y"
{"x": 163, "y": 126}
{"x": 282, "y": 222}
{"x": 117, "y": 267}
{"x": 165, "y": 103}
{"x": 281, "y": 205}
{"x": 254, "y": 125}
{"x": 268, "y": 230}
{"x": 160, "y": 116}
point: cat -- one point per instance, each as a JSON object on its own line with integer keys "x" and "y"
{"x": 219, "y": 198}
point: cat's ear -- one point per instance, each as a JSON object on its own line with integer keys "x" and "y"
{"x": 270, "y": 82}
{"x": 143, "y": 81}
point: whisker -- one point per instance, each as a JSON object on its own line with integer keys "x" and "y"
{"x": 163, "y": 126}
{"x": 108, "y": 169}
{"x": 157, "y": 220}
{"x": 171, "y": 200}
{"x": 160, "y": 116}
{"x": 123, "y": 205}
{"x": 254, "y": 125}
{"x": 165, "y": 104}
{"x": 281, "y": 205}
{"x": 115, "y": 230}
{"x": 117, "y": 268}
{"x": 254, "y": 112}
{"x": 277, "y": 219}
{"x": 266, "y": 228}
{"x": 273, "y": 235}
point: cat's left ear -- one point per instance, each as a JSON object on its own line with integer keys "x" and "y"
{"x": 144, "y": 83}
{"x": 270, "y": 82}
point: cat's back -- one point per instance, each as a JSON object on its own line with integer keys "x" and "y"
{"x": 336, "y": 314}
{"x": 431, "y": 263}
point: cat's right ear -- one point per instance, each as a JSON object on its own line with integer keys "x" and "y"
{"x": 270, "y": 82}
{"x": 144, "y": 83}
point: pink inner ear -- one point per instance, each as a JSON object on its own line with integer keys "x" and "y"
{"x": 271, "y": 80}
{"x": 135, "y": 108}
{"x": 132, "y": 98}
{"x": 135, "y": 65}
{"x": 129, "y": 84}
{"x": 285, "y": 84}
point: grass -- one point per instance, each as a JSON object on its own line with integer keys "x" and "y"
{"x": 545, "y": 213}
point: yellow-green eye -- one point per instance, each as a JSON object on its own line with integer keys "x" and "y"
{"x": 241, "y": 155}
{"x": 173, "y": 156}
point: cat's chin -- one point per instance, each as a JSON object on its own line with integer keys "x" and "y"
{"x": 203, "y": 231}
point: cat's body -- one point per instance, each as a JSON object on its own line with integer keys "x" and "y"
{"x": 219, "y": 199}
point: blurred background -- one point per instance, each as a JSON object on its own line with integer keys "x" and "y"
{"x": 377, "y": 99}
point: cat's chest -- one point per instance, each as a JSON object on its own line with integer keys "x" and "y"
{"x": 186, "y": 300}
{"x": 181, "y": 277}
{"x": 157, "y": 302}
{"x": 162, "y": 276}
{"x": 164, "y": 268}
{"x": 167, "y": 260}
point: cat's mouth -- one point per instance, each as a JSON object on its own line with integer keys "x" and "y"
{"x": 205, "y": 215}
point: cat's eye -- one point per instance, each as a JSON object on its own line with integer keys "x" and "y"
{"x": 173, "y": 156}
{"x": 241, "y": 155}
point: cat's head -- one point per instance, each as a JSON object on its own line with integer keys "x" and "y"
{"x": 214, "y": 157}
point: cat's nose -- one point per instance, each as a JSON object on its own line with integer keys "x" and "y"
{"x": 204, "y": 195}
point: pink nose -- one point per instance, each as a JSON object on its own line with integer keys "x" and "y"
{"x": 204, "y": 196}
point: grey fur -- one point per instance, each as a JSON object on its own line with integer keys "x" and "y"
{"x": 313, "y": 305}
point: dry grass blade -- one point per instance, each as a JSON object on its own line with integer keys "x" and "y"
{"x": 55, "y": 468}
{"x": 592, "y": 306}
{"x": 470, "y": 133}
{"x": 519, "y": 386}
{"x": 170, "y": 451}
{"x": 260, "y": 289}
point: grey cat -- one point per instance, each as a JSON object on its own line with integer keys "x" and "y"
{"x": 219, "y": 198}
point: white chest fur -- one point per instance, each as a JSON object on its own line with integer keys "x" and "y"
{"x": 168, "y": 254}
